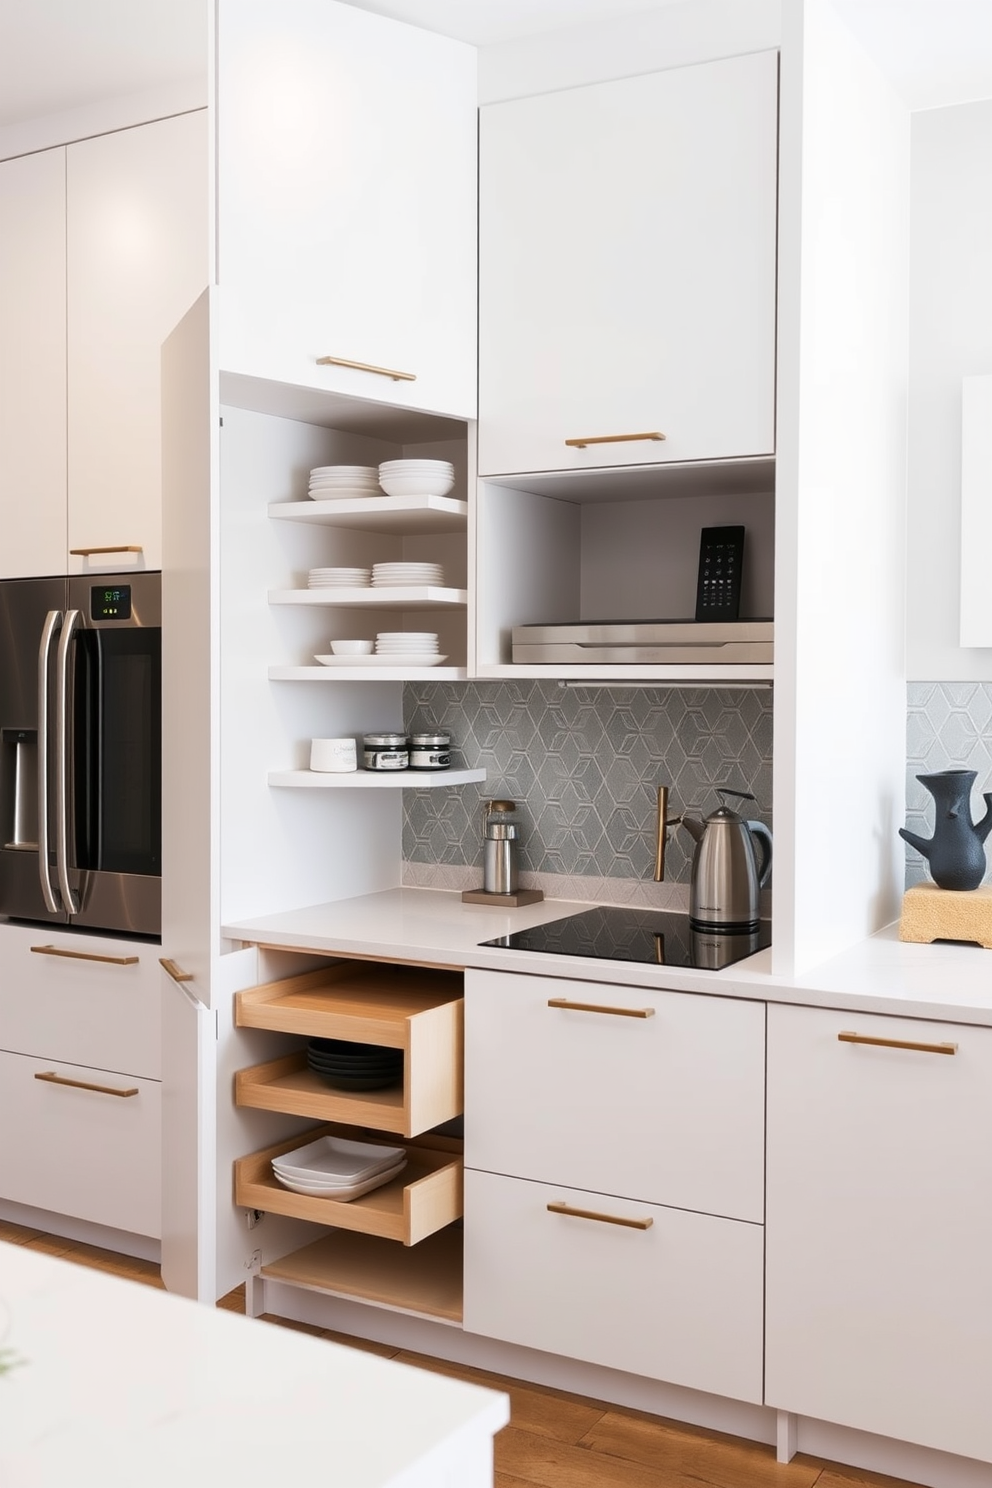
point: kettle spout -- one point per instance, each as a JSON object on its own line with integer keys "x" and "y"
{"x": 693, "y": 827}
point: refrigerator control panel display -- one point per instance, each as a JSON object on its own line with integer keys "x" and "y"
{"x": 110, "y": 603}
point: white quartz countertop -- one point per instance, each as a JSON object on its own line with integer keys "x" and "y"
{"x": 123, "y": 1384}
{"x": 948, "y": 982}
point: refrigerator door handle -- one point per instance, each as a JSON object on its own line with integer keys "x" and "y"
{"x": 69, "y": 900}
{"x": 52, "y": 622}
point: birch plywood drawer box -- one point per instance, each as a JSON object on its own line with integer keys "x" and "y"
{"x": 416, "y": 1010}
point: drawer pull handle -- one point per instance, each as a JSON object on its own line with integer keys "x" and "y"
{"x": 617, "y": 1219}
{"x": 596, "y": 1007}
{"x": 118, "y": 548}
{"x": 884, "y": 1043}
{"x": 52, "y": 1078}
{"x": 330, "y": 361}
{"x": 175, "y": 972}
{"x": 613, "y": 439}
{"x": 51, "y": 950}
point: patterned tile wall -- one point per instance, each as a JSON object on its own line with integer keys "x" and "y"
{"x": 948, "y": 726}
{"x": 583, "y": 763}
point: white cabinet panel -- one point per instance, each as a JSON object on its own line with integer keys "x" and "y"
{"x": 680, "y": 1300}
{"x": 137, "y": 208}
{"x": 627, "y": 239}
{"x": 92, "y": 1004}
{"x": 32, "y": 365}
{"x": 86, "y": 1152}
{"x": 347, "y": 202}
{"x": 668, "y": 1107}
{"x": 879, "y": 1227}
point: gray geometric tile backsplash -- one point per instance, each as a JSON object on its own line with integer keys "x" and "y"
{"x": 583, "y": 765}
{"x": 948, "y": 727}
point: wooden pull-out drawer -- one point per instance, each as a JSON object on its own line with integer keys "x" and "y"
{"x": 654, "y": 1291}
{"x": 81, "y": 1141}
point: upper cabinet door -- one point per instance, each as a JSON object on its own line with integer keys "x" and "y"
{"x": 627, "y": 241}
{"x": 137, "y": 259}
{"x": 347, "y": 161}
{"x": 32, "y": 364}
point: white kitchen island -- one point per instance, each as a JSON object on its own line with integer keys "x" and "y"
{"x": 123, "y": 1384}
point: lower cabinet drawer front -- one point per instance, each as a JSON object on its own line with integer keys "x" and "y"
{"x": 680, "y": 1301}
{"x": 78, "y": 1151}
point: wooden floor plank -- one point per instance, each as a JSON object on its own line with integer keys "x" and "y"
{"x": 233, "y": 1301}
{"x": 858, "y": 1477}
{"x": 552, "y": 1464}
{"x": 16, "y": 1234}
{"x": 723, "y": 1462}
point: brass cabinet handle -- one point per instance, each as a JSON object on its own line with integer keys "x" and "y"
{"x": 884, "y": 1043}
{"x": 596, "y": 1007}
{"x": 613, "y": 439}
{"x": 119, "y": 548}
{"x": 367, "y": 367}
{"x": 617, "y": 1219}
{"x": 664, "y": 821}
{"x": 53, "y": 1079}
{"x": 50, "y": 950}
{"x": 174, "y": 971}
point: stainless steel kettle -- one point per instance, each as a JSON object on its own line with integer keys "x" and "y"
{"x": 726, "y": 873}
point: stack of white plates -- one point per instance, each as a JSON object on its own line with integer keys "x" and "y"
{"x": 333, "y": 1168}
{"x": 406, "y": 643}
{"x": 334, "y": 482}
{"x": 400, "y": 575}
{"x": 339, "y": 578}
{"x": 416, "y": 477}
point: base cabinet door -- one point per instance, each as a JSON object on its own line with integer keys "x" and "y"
{"x": 657, "y": 1292}
{"x": 81, "y": 1141}
{"x": 879, "y": 1225}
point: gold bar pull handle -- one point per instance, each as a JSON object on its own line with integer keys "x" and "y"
{"x": 51, "y": 1078}
{"x": 655, "y": 434}
{"x": 886, "y": 1043}
{"x": 664, "y": 821}
{"x": 118, "y": 548}
{"x": 50, "y": 950}
{"x": 175, "y": 972}
{"x": 329, "y": 361}
{"x": 614, "y": 1219}
{"x": 596, "y": 1007}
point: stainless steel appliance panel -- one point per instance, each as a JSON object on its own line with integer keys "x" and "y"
{"x": 646, "y": 641}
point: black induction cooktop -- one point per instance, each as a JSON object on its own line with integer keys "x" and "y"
{"x": 653, "y": 936}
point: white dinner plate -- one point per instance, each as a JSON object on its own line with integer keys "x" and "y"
{"x": 397, "y": 658}
{"x": 342, "y": 1156}
{"x": 341, "y": 1195}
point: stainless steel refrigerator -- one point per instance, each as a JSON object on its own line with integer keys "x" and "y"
{"x": 80, "y": 751}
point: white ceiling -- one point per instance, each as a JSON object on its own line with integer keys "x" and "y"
{"x": 62, "y": 54}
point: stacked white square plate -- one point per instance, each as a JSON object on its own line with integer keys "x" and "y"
{"x": 339, "y": 578}
{"x": 409, "y": 647}
{"x": 416, "y": 477}
{"x": 402, "y": 575}
{"x": 336, "y": 482}
{"x": 333, "y": 1168}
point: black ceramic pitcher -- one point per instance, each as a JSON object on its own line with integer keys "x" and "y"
{"x": 955, "y": 853}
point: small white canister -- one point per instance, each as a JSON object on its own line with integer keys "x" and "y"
{"x": 333, "y": 755}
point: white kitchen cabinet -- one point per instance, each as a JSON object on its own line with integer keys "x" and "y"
{"x": 137, "y": 258}
{"x": 346, "y": 185}
{"x": 879, "y": 1225}
{"x": 32, "y": 367}
{"x": 657, "y": 1292}
{"x": 627, "y": 271}
{"x": 656, "y": 1095}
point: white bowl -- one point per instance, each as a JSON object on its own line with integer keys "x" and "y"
{"x": 416, "y": 485}
{"x": 352, "y": 648}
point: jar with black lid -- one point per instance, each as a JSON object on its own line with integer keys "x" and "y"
{"x": 430, "y": 750}
{"x": 386, "y": 751}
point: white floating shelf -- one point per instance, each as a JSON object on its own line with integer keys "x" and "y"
{"x": 404, "y": 514}
{"x": 359, "y": 673}
{"x": 414, "y": 597}
{"x": 373, "y": 779}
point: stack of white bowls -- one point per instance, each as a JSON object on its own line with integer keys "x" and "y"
{"x": 416, "y": 477}
{"x": 400, "y": 575}
{"x": 337, "y": 482}
{"x": 339, "y": 578}
{"x": 405, "y": 644}
{"x": 333, "y": 1168}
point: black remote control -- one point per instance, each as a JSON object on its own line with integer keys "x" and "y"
{"x": 718, "y": 588}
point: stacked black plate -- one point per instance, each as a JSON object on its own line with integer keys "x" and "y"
{"x": 347, "y": 1066}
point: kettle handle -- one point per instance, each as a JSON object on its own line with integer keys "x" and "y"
{"x": 761, "y": 832}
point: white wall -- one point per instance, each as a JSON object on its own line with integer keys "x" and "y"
{"x": 950, "y": 338}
